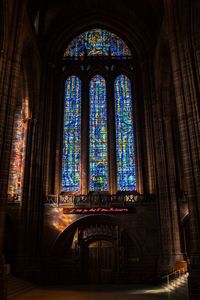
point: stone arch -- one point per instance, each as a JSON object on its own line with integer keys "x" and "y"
{"x": 54, "y": 50}
{"x": 131, "y": 250}
{"x": 65, "y": 238}
{"x": 57, "y": 40}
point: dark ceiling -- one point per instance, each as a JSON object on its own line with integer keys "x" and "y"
{"x": 147, "y": 10}
{"x": 144, "y": 16}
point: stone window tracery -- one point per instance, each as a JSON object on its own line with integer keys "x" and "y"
{"x": 94, "y": 59}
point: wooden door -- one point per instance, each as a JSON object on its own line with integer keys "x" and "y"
{"x": 101, "y": 262}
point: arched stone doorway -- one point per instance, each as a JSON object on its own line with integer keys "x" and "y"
{"x": 95, "y": 249}
{"x": 99, "y": 252}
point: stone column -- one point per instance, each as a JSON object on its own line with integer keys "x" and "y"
{"x": 167, "y": 166}
{"x": 160, "y": 166}
{"x": 147, "y": 137}
{"x": 50, "y": 116}
{"x": 58, "y": 136}
{"x": 185, "y": 65}
{"x": 9, "y": 74}
{"x": 172, "y": 179}
{"x": 138, "y": 122}
{"x": 27, "y": 181}
{"x": 166, "y": 261}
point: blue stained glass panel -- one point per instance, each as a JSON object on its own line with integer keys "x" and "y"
{"x": 97, "y": 42}
{"x": 71, "y": 135}
{"x": 126, "y": 178}
{"x": 98, "y": 135}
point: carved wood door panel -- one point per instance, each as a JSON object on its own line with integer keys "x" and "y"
{"x": 101, "y": 262}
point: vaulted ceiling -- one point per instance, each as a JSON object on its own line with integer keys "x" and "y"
{"x": 59, "y": 17}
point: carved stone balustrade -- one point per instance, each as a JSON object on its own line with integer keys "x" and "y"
{"x": 97, "y": 199}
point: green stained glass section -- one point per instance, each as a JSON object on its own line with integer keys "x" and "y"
{"x": 98, "y": 135}
{"x": 71, "y": 135}
{"x": 97, "y": 42}
{"x": 126, "y": 177}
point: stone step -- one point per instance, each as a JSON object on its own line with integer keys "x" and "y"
{"x": 18, "y": 286}
{"x": 178, "y": 287}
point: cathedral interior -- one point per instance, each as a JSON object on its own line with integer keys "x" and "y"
{"x": 99, "y": 142}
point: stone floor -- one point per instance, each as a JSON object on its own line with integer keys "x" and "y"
{"x": 103, "y": 292}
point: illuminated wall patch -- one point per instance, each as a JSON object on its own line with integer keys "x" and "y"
{"x": 18, "y": 151}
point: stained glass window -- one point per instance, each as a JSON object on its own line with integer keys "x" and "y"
{"x": 71, "y": 135}
{"x": 94, "y": 44}
{"x": 17, "y": 160}
{"x": 97, "y": 42}
{"x": 126, "y": 178}
{"x": 98, "y": 135}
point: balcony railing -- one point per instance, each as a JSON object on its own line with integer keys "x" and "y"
{"x": 97, "y": 200}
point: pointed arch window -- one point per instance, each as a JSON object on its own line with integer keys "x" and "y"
{"x": 98, "y": 135}
{"x": 97, "y": 43}
{"x": 126, "y": 178}
{"x": 89, "y": 131}
{"x": 71, "y": 135}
